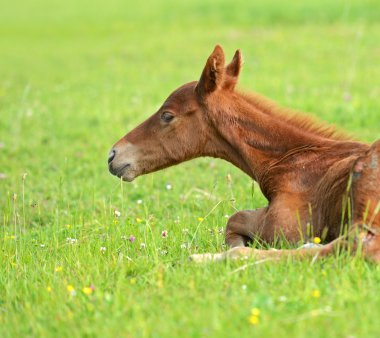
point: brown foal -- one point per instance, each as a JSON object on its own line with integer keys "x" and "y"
{"x": 315, "y": 180}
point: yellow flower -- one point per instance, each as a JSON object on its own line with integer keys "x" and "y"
{"x": 132, "y": 281}
{"x": 87, "y": 290}
{"x": 49, "y": 289}
{"x": 316, "y": 294}
{"x": 68, "y": 226}
{"x": 253, "y": 320}
{"x": 138, "y": 220}
{"x": 255, "y": 312}
{"x": 200, "y": 219}
{"x": 58, "y": 269}
{"x": 317, "y": 240}
{"x": 70, "y": 288}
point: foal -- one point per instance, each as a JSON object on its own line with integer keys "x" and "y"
{"x": 314, "y": 180}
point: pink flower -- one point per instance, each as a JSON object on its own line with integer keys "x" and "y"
{"x": 164, "y": 234}
{"x": 132, "y": 238}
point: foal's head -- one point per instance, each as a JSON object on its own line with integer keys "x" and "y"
{"x": 179, "y": 130}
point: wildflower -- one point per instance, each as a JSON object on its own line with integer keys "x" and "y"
{"x": 185, "y": 231}
{"x": 142, "y": 246}
{"x": 117, "y": 213}
{"x": 70, "y": 240}
{"x": 132, "y": 238}
{"x": 244, "y": 287}
{"x": 226, "y": 216}
{"x": 58, "y": 269}
{"x": 42, "y": 245}
{"x": 103, "y": 249}
{"x": 71, "y": 289}
{"x": 87, "y": 290}
{"x": 183, "y": 246}
{"x": 124, "y": 238}
{"x": 24, "y": 176}
{"x": 139, "y": 201}
{"x": 317, "y": 240}
{"x": 255, "y": 312}
{"x": 68, "y": 226}
{"x": 254, "y": 318}
{"x": 164, "y": 234}
{"x": 49, "y": 289}
{"x": 138, "y": 220}
{"x": 169, "y": 186}
{"x": 132, "y": 281}
{"x": 115, "y": 221}
{"x": 316, "y": 293}
{"x": 164, "y": 252}
{"x": 200, "y": 219}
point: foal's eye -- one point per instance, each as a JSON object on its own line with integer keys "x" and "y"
{"x": 167, "y": 117}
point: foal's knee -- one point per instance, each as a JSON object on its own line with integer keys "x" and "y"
{"x": 236, "y": 230}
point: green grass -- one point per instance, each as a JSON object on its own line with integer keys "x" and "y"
{"x": 75, "y": 77}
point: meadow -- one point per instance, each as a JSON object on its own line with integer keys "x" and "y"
{"x": 85, "y": 255}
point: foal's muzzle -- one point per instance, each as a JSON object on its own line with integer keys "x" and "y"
{"x": 120, "y": 162}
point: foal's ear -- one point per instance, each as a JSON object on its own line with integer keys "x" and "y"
{"x": 233, "y": 71}
{"x": 212, "y": 75}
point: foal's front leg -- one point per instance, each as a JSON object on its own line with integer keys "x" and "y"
{"x": 244, "y": 225}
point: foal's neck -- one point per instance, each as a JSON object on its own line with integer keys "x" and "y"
{"x": 255, "y": 136}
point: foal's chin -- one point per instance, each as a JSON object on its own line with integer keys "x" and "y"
{"x": 128, "y": 176}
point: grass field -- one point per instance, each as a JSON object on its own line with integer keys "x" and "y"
{"x": 75, "y": 77}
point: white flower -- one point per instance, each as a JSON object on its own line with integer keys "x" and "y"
{"x": 169, "y": 186}
{"x": 185, "y": 231}
{"x": 183, "y": 246}
{"x": 42, "y": 245}
{"x": 117, "y": 213}
{"x": 139, "y": 201}
{"x": 103, "y": 249}
{"x": 142, "y": 246}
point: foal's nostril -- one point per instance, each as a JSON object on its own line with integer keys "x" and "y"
{"x": 111, "y": 156}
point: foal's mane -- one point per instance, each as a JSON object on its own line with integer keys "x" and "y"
{"x": 300, "y": 120}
